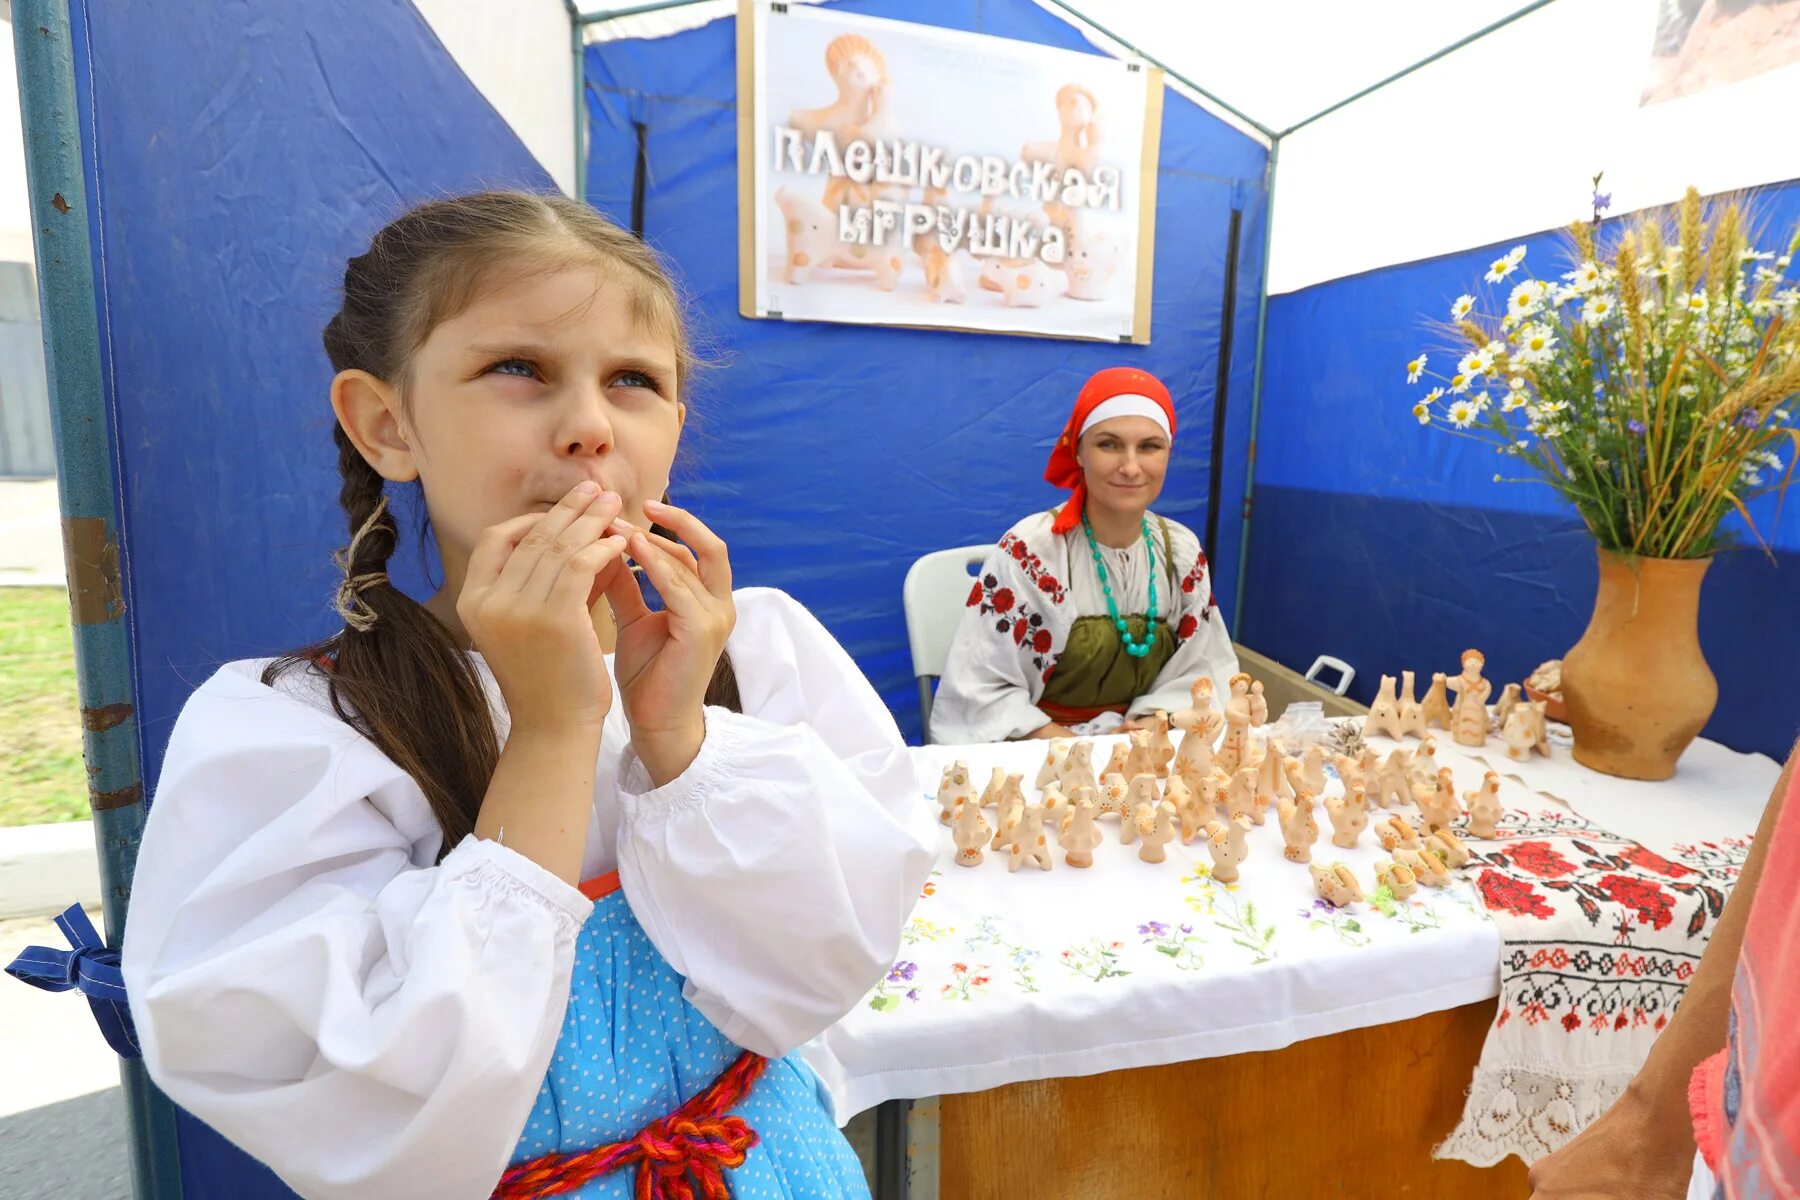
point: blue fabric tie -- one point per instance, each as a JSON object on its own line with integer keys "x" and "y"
{"x": 89, "y": 968}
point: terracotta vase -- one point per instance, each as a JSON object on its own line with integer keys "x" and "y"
{"x": 1636, "y": 685}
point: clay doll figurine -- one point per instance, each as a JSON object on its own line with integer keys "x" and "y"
{"x": 1237, "y": 725}
{"x": 1081, "y": 835}
{"x": 1397, "y": 878}
{"x": 1396, "y": 831}
{"x": 954, "y": 790}
{"x": 1384, "y": 714}
{"x": 1259, "y": 704}
{"x": 1009, "y": 808}
{"x": 1312, "y": 769}
{"x": 1112, "y": 796}
{"x": 1240, "y": 796}
{"x": 1142, "y": 759}
{"x": 1115, "y": 765}
{"x": 1336, "y": 885}
{"x": 1426, "y": 866}
{"x": 1028, "y": 844}
{"x": 1225, "y": 840}
{"x": 1447, "y": 846}
{"x": 1203, "y": 719}
{"x": 1187, "y": 807}
{"x": 1509, "y": 698}
{"x": 1193, "y": 758}
{"x": 1157, "y": 827}
{"x": 1077, "y": 769}
{"x": 1162, "y": 750}
{"x": 1051, "y": 771}
{"x": 1391, "y": 788}
{"x": 1349, "y": 815}
{"x": 1299, "y": 827}
{"x": 1485, "y": 809}
{"x": 1140, "y": 801}
{"x": 1524, "y": 730}
{"x": 1440, "y": 806}
{"x": 1469, "y": 718}
{"x": 1412, "y": 714}
{"x": 1435, "y": 708}
{"x": 972, "y": 833}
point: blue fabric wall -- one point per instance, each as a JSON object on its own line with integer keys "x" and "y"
{"x": 831, "y": 456}
{"x": 1392, "y": 547}
{"x": 240, "y": 154}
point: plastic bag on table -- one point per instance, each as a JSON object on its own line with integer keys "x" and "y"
{"x": 1302, "y": 726}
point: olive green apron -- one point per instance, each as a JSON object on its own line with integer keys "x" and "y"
{"x": 1094, "y": 674}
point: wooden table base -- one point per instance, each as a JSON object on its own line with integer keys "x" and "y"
{"x": 1354, "y": 1115}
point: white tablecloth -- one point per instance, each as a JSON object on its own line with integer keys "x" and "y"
{"x": 1009, "y": 977}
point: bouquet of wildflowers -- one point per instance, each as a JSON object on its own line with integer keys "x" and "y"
{"x": 1649, "y": 385}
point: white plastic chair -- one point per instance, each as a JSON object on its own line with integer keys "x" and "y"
{"x": 934, "y": 595}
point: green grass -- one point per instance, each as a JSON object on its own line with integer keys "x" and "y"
{"x": 41, "y": 774}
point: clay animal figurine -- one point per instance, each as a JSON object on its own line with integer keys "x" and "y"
{"x": 1090, "y": 259}
{"x": 1157, "y": 827}
{"x": 1426, "y": 866}
{"x": 1240, "y": 796}
{"x": 971, "y": 835}
{"x": 1312, "y": 769}
{"x": 1509, "y": 698}
{"x": 1435, "y": 708}
{"x": 1384, "y": 714}
{"x": 1350, "y": 771}
{"x": 1349, "y": 815}
{"x": 990, "y": 795}
{"x": 954, "y": 789}
{"x": 812, "y": 244}
{"x": 1524, "y": 732}
{"x": 1225, "y": 841}
{"x": 1081, "y": 835}
{"x": 1077, "y": 769}
{"x": 1336, "y": 885}
{"x": 1469, "y": 717}
{"x": 1395, "y": 832}
{"x": 1187, "y": 806}
{"x": 1162, "y": 750}
{"x": 1140, "y": 799}
{"x": 943, "y": 268}
{"x": 1194, "y": 757}
{"x": 1029, "y": 844}
{"x": 1440, "y": 807}
{"x": 1142, "y": 759}
{"x": 1485, "y": 809}
{"x": 1412, "y": 713}
{"x": 1271, "y": 780}
{"x": 1237, "y": 725}
{"x": 1057, "y": 808}
{"x": 1391, "y": 781}
{"x": 1207, "y": 795}
{"x": 1111, "y": 798}
{"x": 1299, "y": 827}
{"x": 1051, "y": 771}
{"x": 1204, "y": 718}
{"x": 1447, "y": 846}
{"x": 1424, "y": 764}
{"x": 1009, "y": 807}
{"x": 1397, "y": 878}
{"x": 1116, "y": 763}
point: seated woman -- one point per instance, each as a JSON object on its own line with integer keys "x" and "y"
{"x": 1099, "y": 606}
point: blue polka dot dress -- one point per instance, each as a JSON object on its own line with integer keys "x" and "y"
{"x": 633, "y": 1050}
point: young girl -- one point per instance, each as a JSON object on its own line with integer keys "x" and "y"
{"x": 529, "y": 878}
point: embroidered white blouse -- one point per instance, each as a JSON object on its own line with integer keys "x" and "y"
{"x": 308, "y": 979}
{"x": 1027, "y": 598}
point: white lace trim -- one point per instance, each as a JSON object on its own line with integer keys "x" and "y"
{"x": 1528, "y": 1110}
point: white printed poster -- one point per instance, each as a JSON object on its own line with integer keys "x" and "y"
{"x": 898, "y": 174}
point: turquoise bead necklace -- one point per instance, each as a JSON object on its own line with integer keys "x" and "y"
{"x": 1133, "y": 647}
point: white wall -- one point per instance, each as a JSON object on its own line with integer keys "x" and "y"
{"x": 15, "y": 201}
{"x": 517, "y": 53}
{"x": 1501, "y": 138}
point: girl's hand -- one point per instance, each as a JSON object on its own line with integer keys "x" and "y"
{"x": 526, "y": 600}
{"x": 664, "y": 660}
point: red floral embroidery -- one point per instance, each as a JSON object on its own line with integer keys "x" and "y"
{"x": 1196, "y": 576}
{"x": 1512, "y": 895}
{"x": 975, "y": 594}
{"x": 1018, "y": 633}
{"x": 1040, "y": 641}
{"x": 1539, "y": 859}
{"x": 1003, "y": 599}
{"x": 1187, "y": 628}
{"x": 1018, "y": 549}
{"x": 1637, "y": 856}
{"x": 1571, "y": 1022}
{"x": 1047, "y": 583}
{"x": 1653, "y": 905}
{"x": 1033, "y": 566}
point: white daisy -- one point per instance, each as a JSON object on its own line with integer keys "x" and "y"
{"x": 1475, "y": 362}
{"x": 1695, "y": 303}
{"x": 1465, "y": 304}
{"x": 1434, "y": 395}
{"x": 1516, "y": 255}
{"x": 1536, "y": 343}
{"x": 1423, "y": 413}
{"x": 1527, "y": 298}
{"x": 1415, "y": 368}
{"x": 1462, "y": 414}
{"x": 1562, "y": 296}
{"x": 1479, "y": 402}
{"x": 1598, "y": 309}
{"x": 1516, "y": 383}
{"x": 1500, "y": 268}
{"x": 1754, "y": 255}
{"x": 1514, "y": 402}
{"x": 1459, "y": 383}
{"x": 1585, "y": 277}
{"x": 1553, "y": 408}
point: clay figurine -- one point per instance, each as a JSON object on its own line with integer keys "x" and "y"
{"x": 1187, "y": 807}
{"x": 1056, "y": 808}
{"x": 1237, "y": 725}
{"x": 1081, "y": 834}
{"x": 1051, "y": 771}
{"x": 1469, "y": 717}
{"x": 1397, "y": 878}
{"x": 1447, "y": 846}
{"x": 1435, "y": 708}
{"x": 1396, "y": 831}
{"x": 1426, "y": 866}
{"x": 1111, "y": 797}
{"x": 812, "y": 243}
{"x": 1156, "y": 825}
{"x": 1349, "y": 815}
{"x": 1299, "y": 827}
{"x": 1312, "y": 769}
{"x": 1439, "y": 807}
{"x": 972, "y": 833}
{"x": 1412, "y": 714}
{"x": 1271, "y": 781}
{"x": 1207, "y": 792}
{"x": 1029, "y": 845}
{"x": 1067, "y": 811}
{"x": 1077, "y": 769}
{"x": 1141, "y": 800}
{"x": 1424, "y": 764}
{"x": 1115, "y": 765}
{"x": 1391, "y": 781}
{"x": 1336, "y": 885}
{"x": 990, "y": 795}
{"x": 1485, "y": 809}
{"x": 1259, "y": 704}
{"x": 1384, "y": 714}
{"x": 1162, "y": 750}
{"x": 1193, "y": 758}
{"x": 1204, "y": 717}
{"x": 1350, "y": 771}
{"x": 1524, "y": 731}
{"x": 954, "y": 790}
{"x": 1225, "y": 840}
{"x": 1009, "y": 808}
{"x": 1509, "y": 698}
{"x": 1240, "y": 796}
{"x": 1142, "y": 759}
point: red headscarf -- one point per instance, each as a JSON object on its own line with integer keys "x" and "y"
{"x": 1114, "y": 392}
